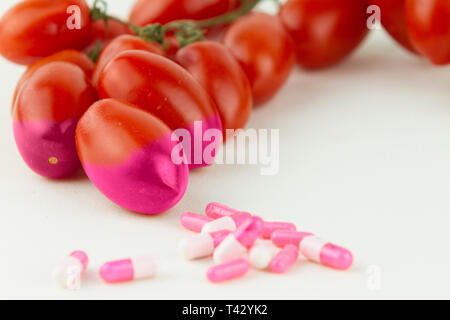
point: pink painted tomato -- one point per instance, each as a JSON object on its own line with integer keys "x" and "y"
{"x": 213, "y": 66}
{"x": 126, "y": 153}
{"x": 169, "y": 92}
{"x": 34, "y": 29}
{"x": 264, "y": 50}
{"x": 47, "y": 111}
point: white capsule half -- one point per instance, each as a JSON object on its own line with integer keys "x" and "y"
{"x": 198, "y": 246}
{"x": 261, "y": 254}
{"x": 230, "y": 249}
{"x": 221, "y": 224}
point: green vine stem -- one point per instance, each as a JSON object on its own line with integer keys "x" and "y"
{"x": 186, "y": 31}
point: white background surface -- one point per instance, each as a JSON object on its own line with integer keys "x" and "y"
{"x": 364, "y": 162}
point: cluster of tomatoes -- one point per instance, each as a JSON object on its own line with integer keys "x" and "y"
{"x": 115, "y": 115}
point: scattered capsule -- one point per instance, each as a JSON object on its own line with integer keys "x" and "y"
{"x": 285, "y": 259}
{"x": 271, "y": 227}
{"x": 326, "y": 253}
{"x": 216, "y": 210}
{"x": 201, "y": 245}
{"x": 68, "y": 272}
{"x": 128, "y": 269}
{"x": 236, "y": 244}
{"x": 230, "y": 223}
{"x": 227, "y": 271}
{"x": 261, "y": 254}
{"x": 282, "y": 238}
{"x": 194, "y": 221}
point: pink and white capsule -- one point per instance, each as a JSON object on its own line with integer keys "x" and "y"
{"x": 230, "y": 223}
{"x": 216, "y": 210}
{"x": 194, "y": 221}
{"x": 227, "y": 271}
{"x": 271, "y": 227}
{"x": 326, "y": 253}
{"x": 282, "y": 238}
{"x": 128, "y": 269}
{"x": 261, "y": 254}
{"x": 201, "y": 245}
{"x": 67, "y": 273}
{"x": 236, "y": 244}
{"x": 285, "y": 259}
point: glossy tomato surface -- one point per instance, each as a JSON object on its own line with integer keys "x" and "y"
{"x": 163, "y": 11}
{"x": 325, "y": 31}
{"x": 393, "y": 18}
{"x": 104, "y": 34}
{"x": 429, "y": 28}
{"x": 34, "y": 29}
{"x": 121, "y": 44}
{"x": 72, "y": 56}
{"x": 264, "y": 50}
{"x": 126, "y": 153}
{"x": 47, "y": 111}
{"x": 166, "y": 90}
{"x": 215, "y": 68}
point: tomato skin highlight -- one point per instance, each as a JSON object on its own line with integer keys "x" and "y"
{"x": 105, "y": 34}
{"x": 34, "y": 29}
{"x": 166, "y": 90}
{"x": 163, "y": 11}
{"x": 213, "y": 66}
{"x": 72, "y": 56}
{"x": 126, "y": 153}
{"x": 324, "y": 31}
{"x": 264, "y": 50}
{"x": 47, "y": 111}
{"x": 393, "y": 19}
{"x": 121, "y": 44}
{"x": 429, "y": 28}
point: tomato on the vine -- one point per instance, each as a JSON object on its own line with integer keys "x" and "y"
{"x": 429, "y": 28}
{"x": 264, "y": 50}
{"x": 213, "y": 66}
{"x": 34, "y": 29}
{"x": 72, "y": 56}
{"x": 163, "y": 11}
{"x": 393, "y": 19}
{"x": 121, "y": 44}
{"x": 104, "y": 34}
{"x": 324, "y": 31}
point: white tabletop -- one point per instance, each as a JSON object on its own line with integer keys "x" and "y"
{"x": 364, "y": 162}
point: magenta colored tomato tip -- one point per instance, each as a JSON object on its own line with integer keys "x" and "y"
{"x": 148, "y": 182}
{"x": 48, "y": 147}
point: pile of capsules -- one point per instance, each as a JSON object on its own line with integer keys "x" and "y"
{"x": 237, "y": 241}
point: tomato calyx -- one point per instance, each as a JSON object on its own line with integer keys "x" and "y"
{"x": 185, "y": 31}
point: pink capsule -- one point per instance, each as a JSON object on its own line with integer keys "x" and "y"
{"x": 216, "y": 210}
{"x": 236, "y": 244}
{"x": 68, "y": 272}
{"x": 128, "y": 269}
{"x": 326, "y": 253}
{"x": 201, "y": 245}
{"x": 230, "y": 270}
{"x": 285, "y": 259}
{"x": 282, "y": 238}
{"x": 230, "y": 223}
{"x": 271, "y": 227}
{"x": 194, "y": 221}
